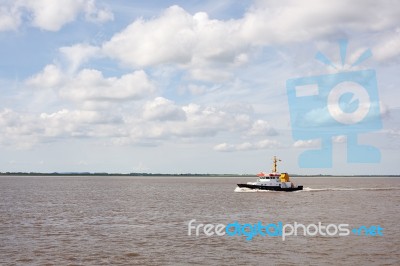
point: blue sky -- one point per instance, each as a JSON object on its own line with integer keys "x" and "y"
{"x": 182, "y": 86}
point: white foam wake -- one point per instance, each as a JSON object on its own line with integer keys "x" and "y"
{"x": 245, "y": 189}
{"x": 349, "y": 189}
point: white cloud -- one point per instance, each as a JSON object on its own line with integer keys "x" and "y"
{"x": 209, "y": 49}
{"x": 246, "y": 146}
{"x": 175, "y": 37}
{"x": 163, "y": 109}
{"x": 224, "y": 147}
{"x": 89, "y": 84}
{"x": 50, "y": 77}
{"x": 388, "y": 49}
{"x": 48, "y": 14}
{"x": 94, "y": 14}
{"x": 197, "y": 122}
{"x": 52, "y": 15}
{"x": 78, "y": 54}
{"x": 307, "y": 144}
{"x": 87, "y": 89}
{"x": 97, "y": 109}
{"x": 271, "y": 22}
{"x": 77, "y": 123}
{"x": 210, "y": 120}
{"x": 158, "y": 119}
{"x": 262, "y": 128}
{"x": 18, "y": 130}
{"x": 167, "y": 38}
{"x": 10, "y": 18}
{"x": 25, "y": 130}
{"x": 241, "y": 59}
{"x": 316, "y": 143}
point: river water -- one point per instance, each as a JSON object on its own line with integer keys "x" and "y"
{"x": 103, "y": 220}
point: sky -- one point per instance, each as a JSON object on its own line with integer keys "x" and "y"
{"x": 184, "y": 86}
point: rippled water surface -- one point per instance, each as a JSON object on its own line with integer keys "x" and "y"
{"x": 144, "y": 221}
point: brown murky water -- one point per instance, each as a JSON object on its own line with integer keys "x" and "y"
{"x": 144, "y": 221}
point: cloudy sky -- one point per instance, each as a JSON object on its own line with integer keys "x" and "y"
{"x": 182, "y": 86}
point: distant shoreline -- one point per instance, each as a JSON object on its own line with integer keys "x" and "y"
{"x": 160, "y": 174}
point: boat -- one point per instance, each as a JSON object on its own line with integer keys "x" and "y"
{"x": 273, "y": 181}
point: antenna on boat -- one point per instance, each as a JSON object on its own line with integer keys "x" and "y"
{"x": 275, "y": 160}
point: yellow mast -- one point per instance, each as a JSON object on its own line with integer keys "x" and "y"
{"x": 275, "y": 160}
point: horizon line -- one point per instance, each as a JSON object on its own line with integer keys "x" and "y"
{"x": 178, "y": 174}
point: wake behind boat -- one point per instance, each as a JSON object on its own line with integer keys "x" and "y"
{"x": 273, "y": 181}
